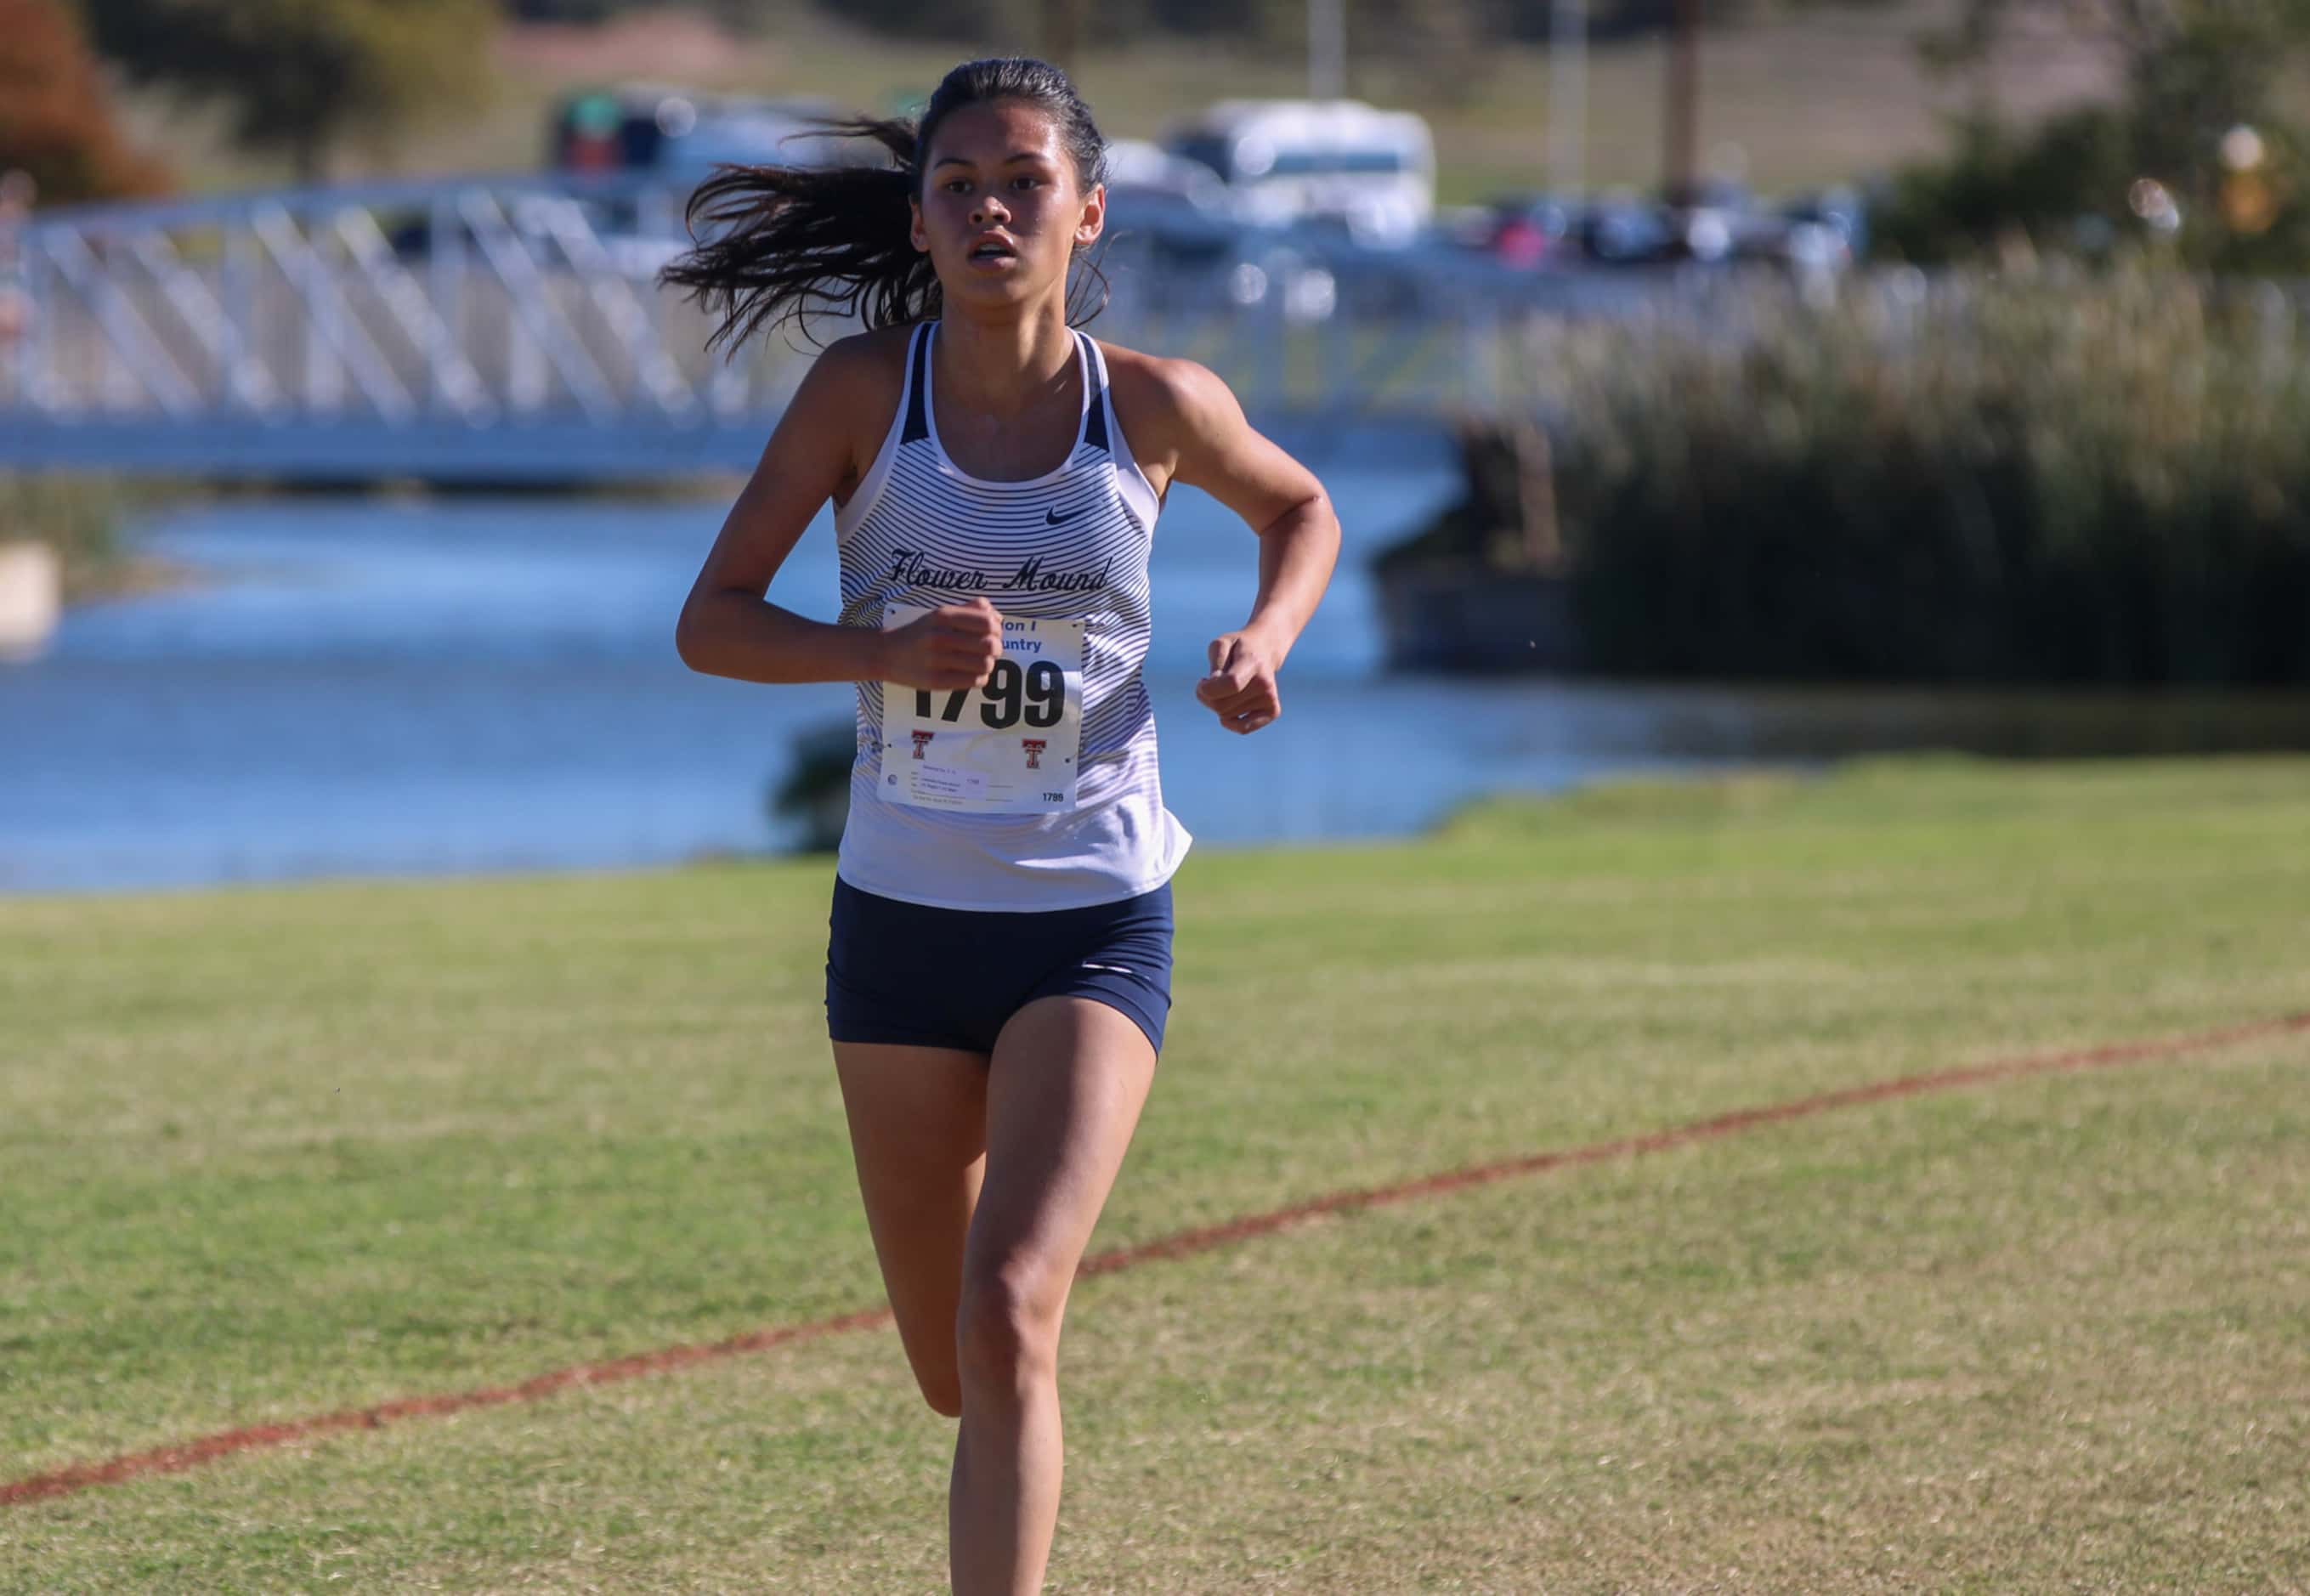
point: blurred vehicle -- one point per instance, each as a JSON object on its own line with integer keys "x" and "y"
{"x": 681, "y": 136}
{"x": 1146, "y": 172}
{"x": 684, "y": 134}
{"x": 1168, "y": 264}
{"x": 1719, "y": 224}
{"x": 1173, "y": 211}
{"x": 1522, "y": 230}
{"x": 1289, "y": 160}
{"x": 1716, "y": 221}
{"x": 1832, "y": 225}
{"x": 1626, "y": 229}
{"x": 667, "y": 141}
{"x": 1175, "y": 241}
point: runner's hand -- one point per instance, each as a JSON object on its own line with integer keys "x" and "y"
{"x": 1241, "y": 688}
{"x": 954, "y": 645}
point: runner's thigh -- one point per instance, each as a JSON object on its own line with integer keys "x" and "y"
{"x": 1068, "y": 1079}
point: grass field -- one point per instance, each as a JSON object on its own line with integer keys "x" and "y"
{"x": 269, "y": 1153}
{"x": 1805, "y": 95}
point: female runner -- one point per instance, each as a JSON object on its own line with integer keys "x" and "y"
{"x": 998, "y": 973}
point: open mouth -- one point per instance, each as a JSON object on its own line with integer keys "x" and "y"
{"x": 993, "y": 250}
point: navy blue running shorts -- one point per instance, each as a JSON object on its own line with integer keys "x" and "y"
{"x": 919, "y": 976}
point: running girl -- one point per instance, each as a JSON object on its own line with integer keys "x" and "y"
{"x": 998, "y": 972}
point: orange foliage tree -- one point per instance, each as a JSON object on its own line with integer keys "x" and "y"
{"x": 56, "y": 121}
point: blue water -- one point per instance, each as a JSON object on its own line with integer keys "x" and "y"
{"x": 436, "y": 685}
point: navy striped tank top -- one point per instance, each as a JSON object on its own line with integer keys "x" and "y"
{"x": 1070, "y": 545}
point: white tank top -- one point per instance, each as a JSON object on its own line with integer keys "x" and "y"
{"x": 1071, "y": 544}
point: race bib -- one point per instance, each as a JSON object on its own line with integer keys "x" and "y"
{"x": 1011, "y": 746}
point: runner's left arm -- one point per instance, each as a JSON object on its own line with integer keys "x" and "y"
{"x": 1215, "y": 448}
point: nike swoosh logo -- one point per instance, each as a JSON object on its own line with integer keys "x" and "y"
{"x": 1051, "y": 517}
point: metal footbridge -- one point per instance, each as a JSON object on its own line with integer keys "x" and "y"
{"x": 510, "y": 330}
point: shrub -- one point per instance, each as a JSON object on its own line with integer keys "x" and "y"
{"x": 2060, "y": 478}
{"x": 78, "y": 517}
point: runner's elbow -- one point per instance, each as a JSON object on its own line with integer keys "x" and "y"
{"x": 692, "y": 638}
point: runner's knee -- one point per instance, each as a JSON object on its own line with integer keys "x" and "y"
{"x": 945, "y": 1397}
{"x": 1007, "y": 1332}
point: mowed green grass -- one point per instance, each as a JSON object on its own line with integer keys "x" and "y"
{"x": 267, "y": 1153}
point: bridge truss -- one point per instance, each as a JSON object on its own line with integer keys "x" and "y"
{"x": 510, "y": 329}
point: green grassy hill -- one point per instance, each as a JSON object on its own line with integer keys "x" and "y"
{"x": 1798, "y": 99}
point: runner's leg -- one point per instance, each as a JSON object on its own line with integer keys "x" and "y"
{"x": 1068, "y": 1079}
{"x": 918, "y": 1132}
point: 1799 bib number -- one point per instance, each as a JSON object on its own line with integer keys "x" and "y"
{"x": 1018, "y": 753}
{"x": 1037, "y": 695}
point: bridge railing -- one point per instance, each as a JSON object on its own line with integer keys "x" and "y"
{"x": 472, "y": 302}
{"x": 516, "y": 322}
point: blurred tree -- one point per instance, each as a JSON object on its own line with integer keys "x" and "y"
{"x": 2200, "y": 151}
{"x": 55, "y": 122}
{"x": 1998, "y": 180}
{"x": 300, "y": 74}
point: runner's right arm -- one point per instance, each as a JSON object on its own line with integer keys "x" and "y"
{"x": 728, "y": 627}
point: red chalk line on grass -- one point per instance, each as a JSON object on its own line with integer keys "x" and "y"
{"x": 189, "y": 1454}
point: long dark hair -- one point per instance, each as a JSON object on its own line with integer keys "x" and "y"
{"x": 774, "y": 244}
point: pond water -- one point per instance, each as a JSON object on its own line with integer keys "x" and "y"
{"x": 423, "y": 685}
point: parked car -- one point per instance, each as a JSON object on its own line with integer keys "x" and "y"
{"x": 650, "y": 132}
{"x": 1830, "y": 225}
{"x": 1626, "y": 230}
{"x": 1523, "y": 229}
{"x": 1173, "y": 211}
{"x": 1719, "y": 223}
{"x": 1296, "y": 161}
{"x": 646, "y": 128}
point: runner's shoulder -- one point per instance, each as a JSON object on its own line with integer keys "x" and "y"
{"x": 864, "y": 365}
{"x": 1168, "y": 402}
{"x": 851, "y": 391}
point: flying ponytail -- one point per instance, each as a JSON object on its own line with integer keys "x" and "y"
{"x": 774, "y": 244}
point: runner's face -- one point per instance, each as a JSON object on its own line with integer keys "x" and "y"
{"x": 1001, "y": 210}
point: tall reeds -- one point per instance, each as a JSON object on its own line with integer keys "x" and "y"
{"x": 2048, "y": 476}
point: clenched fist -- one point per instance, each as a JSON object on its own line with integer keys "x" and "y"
{"x": 1241, "y": 688}
{"x": 954, "y": 645}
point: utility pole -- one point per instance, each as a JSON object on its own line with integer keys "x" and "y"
{"x": 1327, "y": 49}
{"x": 1680, "y": 137}
{"x": 1567, "y": 97}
